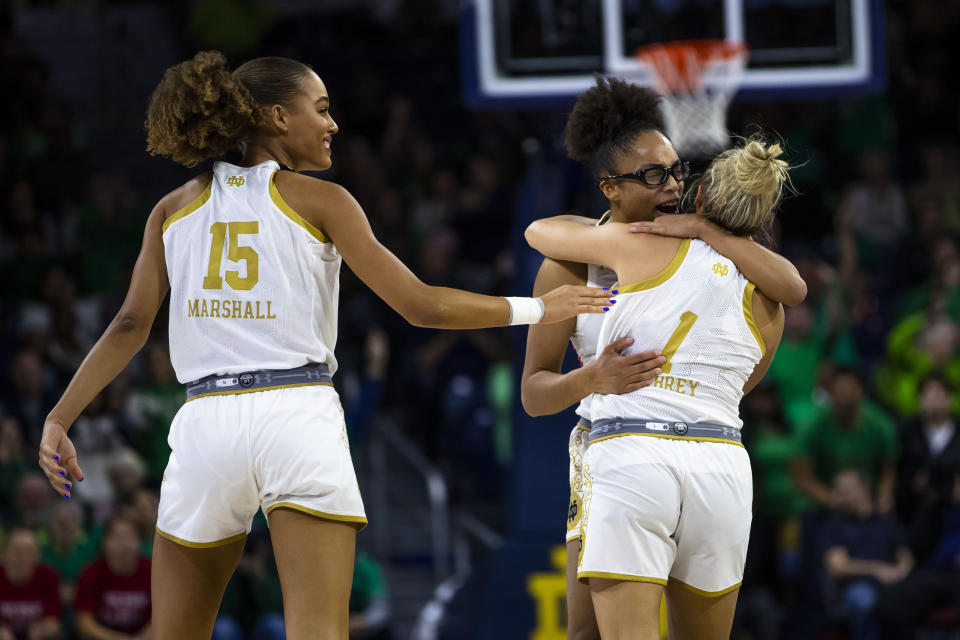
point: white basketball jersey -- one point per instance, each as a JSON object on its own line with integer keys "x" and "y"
{"x": 698, "y": 312}
{"x": 252, "y": 284}
{"x": 586, "y": 333}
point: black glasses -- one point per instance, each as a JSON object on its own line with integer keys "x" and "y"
{"x": 654, "y": 176}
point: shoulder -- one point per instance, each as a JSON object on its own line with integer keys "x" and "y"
{"x": 562, "y": 271}
{"x": 306, "y": 193}
{"x": 191, "y": 192}
{"x": 314, "y": 199}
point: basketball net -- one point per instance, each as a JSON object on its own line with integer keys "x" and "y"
{"x": 697, "y": 79}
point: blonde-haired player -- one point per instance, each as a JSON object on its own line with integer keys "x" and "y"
{"x": 251, "y": 256}
{"x": 668, "y": 485}
{"x": 616, "y": 127}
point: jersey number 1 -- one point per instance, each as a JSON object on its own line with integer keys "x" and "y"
{"x": 686, "y": 323}
{"x": 236, "y": 253}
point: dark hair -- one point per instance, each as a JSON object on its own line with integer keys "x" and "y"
{"x": 200, "y": 110}
{"x": 846, "y": 370}
{"x": 938, "y": 377}
{"x": 114, "y": 520}
{"x": 606, "y": 119}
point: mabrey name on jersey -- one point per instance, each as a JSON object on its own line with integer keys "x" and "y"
{"x": 235, "y": 309}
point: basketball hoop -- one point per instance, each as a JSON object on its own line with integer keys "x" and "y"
{"x": 697, "y": 79}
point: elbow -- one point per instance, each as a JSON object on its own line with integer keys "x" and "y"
{"x": 529, "y": 403}
{"x": 130, "y": 325}
{"x": 798, "y": 292}
{"x": 426, "y": 315}
{"x": 531, "y": 233}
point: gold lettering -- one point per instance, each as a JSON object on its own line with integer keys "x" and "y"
{"x": 693, "y": 387}
{"x": 214, "y": 308}
{"x": 237, "y": 309}
{"x": 193, "y": 308}
{"x": 658, "y": 382}
{"x": 259, "y": 315}
{"x": 668, "y": 384}
{"x": 269, "y": 316}
{"x": 680, "y": 382}
{"x": 203, "y": 309}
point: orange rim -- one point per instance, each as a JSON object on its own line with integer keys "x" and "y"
{"x": 680, "y": 65}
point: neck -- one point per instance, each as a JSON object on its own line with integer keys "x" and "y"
{"x": 617, "y": 214}
{"x": 259, "y": 151}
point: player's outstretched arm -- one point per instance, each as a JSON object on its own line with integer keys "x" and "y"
{"x": 574, "y": 239}
{"x": 124, "y": 337}
{"x": 423, "y": 305}
{"x": 543, "y": 388}
{"x": 773, "y": 274}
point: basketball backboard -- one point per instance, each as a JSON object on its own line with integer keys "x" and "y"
{"x": 534, "y": 52}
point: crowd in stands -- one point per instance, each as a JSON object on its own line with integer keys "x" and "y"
{"x": 854, "y": 435}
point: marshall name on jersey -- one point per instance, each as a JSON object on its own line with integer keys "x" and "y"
{"x": 253, "y": 285}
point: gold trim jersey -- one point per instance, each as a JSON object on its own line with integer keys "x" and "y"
{"x": 252, "y": 284}
{"x": 698, "y": 312}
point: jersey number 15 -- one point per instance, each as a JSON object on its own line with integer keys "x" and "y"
{"x": 235, "y": 252}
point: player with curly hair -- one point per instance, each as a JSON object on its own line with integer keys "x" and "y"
{"x": 251, "y": 254}
{"x": 616, "y": 129}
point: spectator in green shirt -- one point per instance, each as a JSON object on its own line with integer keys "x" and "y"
{"x": 67, "y": 547}
{"x": 852, "y": 434}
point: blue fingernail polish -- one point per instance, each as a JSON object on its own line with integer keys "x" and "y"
{"x": 57, "y": 458}
{"x": 606, "y": 289}
{"x": 67, "y": 496}
{"x": 81, "y": 479}
{"x": 606, "y": 308}
{"x": 613, "y": 302}
{"x": 62, "y": 473}
{"x": 67, "y": 486}
{"x": 616, "y": 291}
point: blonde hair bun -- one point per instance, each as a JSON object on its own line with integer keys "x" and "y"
{"x": 758, "y": 169}
{"x": 743, "y": 186}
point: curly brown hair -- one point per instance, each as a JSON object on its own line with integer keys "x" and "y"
{"x": 201, "y": 110}
{"x": 605, "y": 120}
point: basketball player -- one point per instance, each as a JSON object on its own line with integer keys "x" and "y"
{"x": 667, "y": 484}
{"x": 251, "y": 255}
{"x": 622, "y": 116}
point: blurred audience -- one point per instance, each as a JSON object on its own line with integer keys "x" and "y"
{"x": 29, "y": 591}
{"x": 113, "y": 592}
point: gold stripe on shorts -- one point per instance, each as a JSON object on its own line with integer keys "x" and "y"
{"x": 201, "y": 545}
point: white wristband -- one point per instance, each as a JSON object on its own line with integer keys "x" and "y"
{"x": 525, "y": 310}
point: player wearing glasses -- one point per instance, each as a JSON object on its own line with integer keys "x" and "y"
{"x": 616, "y": 130}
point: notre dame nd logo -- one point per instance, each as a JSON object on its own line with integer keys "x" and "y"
{"x": 720, "y": 269}
{"x": 235, "y": 181}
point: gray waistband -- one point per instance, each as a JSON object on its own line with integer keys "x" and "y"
{"x": 583, "y": 423}
{"x": 608, "y": 427}
{"x": 262, "y": 380}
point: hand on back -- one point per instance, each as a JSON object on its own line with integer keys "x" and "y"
{"x": 615, "y": 374}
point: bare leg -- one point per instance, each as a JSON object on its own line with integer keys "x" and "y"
{"x": 187, "y": 585}
{"x": 581, "y": 621}
{"x": 698, "y": 617}
{"x": 627, "y": 610}
{"x": 315, "y": 562}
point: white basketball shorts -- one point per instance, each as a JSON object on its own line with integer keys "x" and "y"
{"x": 658, "y": 509}
{"x": 234, "y": 454}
